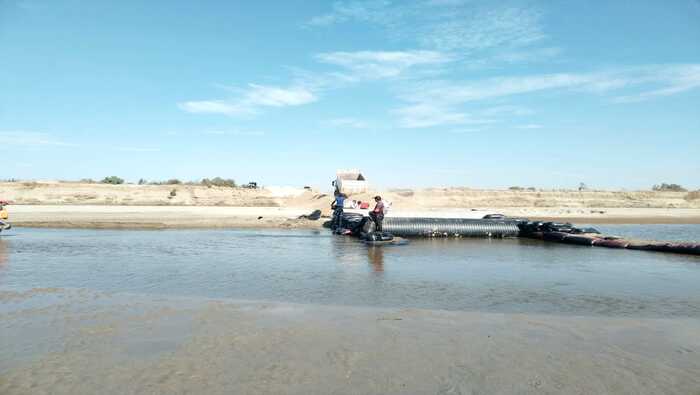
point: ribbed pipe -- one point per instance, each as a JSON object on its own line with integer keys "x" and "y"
{"x": 445, "y": 227}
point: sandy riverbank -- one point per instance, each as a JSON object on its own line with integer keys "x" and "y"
{"x": 59, "y": 204}
{"x": 84, "y": 343}
{"x": 161, "y": 217}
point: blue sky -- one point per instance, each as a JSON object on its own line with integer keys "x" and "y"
{"x": 426, "y": 93}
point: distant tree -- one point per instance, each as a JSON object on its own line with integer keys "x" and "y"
{"x": 668, "y": 188}
{"x": 114, "y": 180}
{"x": 582, "y": 187}
{"x": 516, "y": 188}
{"x": 219, "y": 182}
{"x": 173, "y": 181}
{"x": 142, "y": 181}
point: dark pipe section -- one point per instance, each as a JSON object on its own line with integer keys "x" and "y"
{"x": 450, "y": 227}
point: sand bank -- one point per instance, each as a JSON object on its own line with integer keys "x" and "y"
{"x": 163, "y": 217}
{"x": 84, "y": 343}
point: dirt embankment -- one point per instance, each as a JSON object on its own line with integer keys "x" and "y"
{"x": 55, "y": 204}
{"x": 64, "y": 193}
{"x": 61, "y": 193}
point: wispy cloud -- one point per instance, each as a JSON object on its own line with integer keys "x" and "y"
{"x": 501, "y": 27}
{"x": 217, "y": 107}
{"x": 436, "y": 103}
{"x": 425, "y": 115}
{"x": 346, "y": 123}
{"x": 530, "y": 126}
{"x": 252, "y": 100}
{"x": 672, "y": 79}
{"x": 30, "y": 139}
{"x": 445, "y": 25}
{"x": 382, "y": 64}
{"x": 507, "y": 110}
{"x": 376, "y": 11}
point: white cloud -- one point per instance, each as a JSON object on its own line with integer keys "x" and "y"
{"x": 29, "y": 139}
{"x": 424, "y": 115}
{"x": 376, "y": 11}
{"x": 503, "y": 27}
{"x": 217, "y": 107}
{"x": 445, "y": 25}
{"x": 252, "y": 99}
{"x": 461, "y": 92}
{"x": 260, "y": 95}
{"x": 436, "y": 103}
{"x": 346, "y": 123}
{"x": 530, "y": 126}
{"x": 672, "y": 79}
{"x": 382, "y": 64}
{"x": 507, "y": 110}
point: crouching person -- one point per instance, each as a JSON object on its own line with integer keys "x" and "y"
{"x": 4, "y": 216}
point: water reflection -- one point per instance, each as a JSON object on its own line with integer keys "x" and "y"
{"x": 3, "y": 254}
{"x": 305, "y": 267}
{"x": 375, "y": 255}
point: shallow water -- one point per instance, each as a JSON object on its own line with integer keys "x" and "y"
{"x": 304, "y": 266}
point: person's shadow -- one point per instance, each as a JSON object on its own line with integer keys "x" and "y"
{"x": 375, "y": 256}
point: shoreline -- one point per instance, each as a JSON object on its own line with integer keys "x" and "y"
{"x": 218, "y": 217}
{"x": 219, "y": 346}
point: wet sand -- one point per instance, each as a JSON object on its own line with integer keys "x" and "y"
{"x": 162, "y": 217}
{"x": 81, "y": 342}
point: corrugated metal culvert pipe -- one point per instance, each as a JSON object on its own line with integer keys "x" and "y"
{"x": 449, "y": 227}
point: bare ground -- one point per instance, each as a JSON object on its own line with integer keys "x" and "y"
{"x": 57, "y": 204}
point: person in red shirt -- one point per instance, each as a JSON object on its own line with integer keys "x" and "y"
{"x": 377, "y": 214}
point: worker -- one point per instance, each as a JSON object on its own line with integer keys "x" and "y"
{"x": 3, "y": 216}
{"x": 377, "y": 214}
{"x": 337, "y": 207}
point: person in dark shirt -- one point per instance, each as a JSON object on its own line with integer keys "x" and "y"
{"x": 377, "y": 214}
{"x": 337, "y": 207}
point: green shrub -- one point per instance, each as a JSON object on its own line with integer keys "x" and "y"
{"x": 114, "y": 180}
{"x": 219, "y": 182}
{"x": 668, "y": 188}
{"x": 173, "y": 193}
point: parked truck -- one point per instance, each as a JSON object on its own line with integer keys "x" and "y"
{"x": 350, "y": 181}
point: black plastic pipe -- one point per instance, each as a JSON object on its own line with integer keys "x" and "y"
{"x": 450, "y": 227}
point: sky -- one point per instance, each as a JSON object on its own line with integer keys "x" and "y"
{"x": 483, "y": 94}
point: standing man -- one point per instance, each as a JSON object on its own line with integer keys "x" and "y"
{"x": 337, "y": 207}
{"x": 377, "y": 215}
